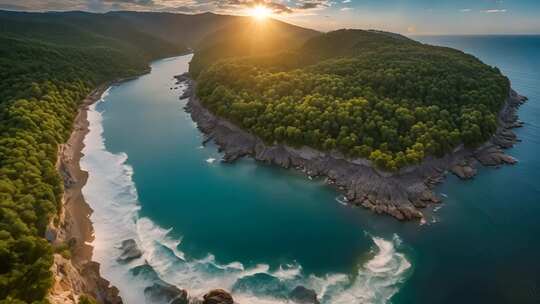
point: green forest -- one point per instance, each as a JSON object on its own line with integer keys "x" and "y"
{"x": 367, "y": 94}
{"x": 47, "y": 66}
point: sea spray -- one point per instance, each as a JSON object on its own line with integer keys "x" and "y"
{"x": 111, "y": 194}
{"x": 376, "y": 281}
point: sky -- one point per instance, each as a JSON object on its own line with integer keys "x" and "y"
{"x": 412, "y": 17}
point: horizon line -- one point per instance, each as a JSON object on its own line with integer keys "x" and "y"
{"x": 271, "y": 17}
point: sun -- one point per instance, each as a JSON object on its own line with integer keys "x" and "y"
{"x": 260, "y": 12}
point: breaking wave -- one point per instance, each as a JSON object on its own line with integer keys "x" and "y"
{"x": 112, "y": 194}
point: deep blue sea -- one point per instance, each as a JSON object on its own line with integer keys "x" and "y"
{"x": 259, "y": 231}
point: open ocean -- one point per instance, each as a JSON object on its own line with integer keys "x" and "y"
{"x": 260, "y": 231}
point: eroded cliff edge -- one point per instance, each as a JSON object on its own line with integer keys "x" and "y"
{"x": 402, "y": 194}
{"x": 77, "y": 275}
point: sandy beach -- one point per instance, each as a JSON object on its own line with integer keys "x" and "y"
{"x": 76, "y": 212}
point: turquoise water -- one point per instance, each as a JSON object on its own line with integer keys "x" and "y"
{"x": 260, "y": 231}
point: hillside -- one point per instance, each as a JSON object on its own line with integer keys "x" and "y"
{"x": 48, "y": 65}
{"x": 365, "y": 94}
{"x": 80, "y": 29}
{"x": 248, "y": 37}
{"x": 178, "y": 29}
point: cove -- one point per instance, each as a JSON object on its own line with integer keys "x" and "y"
{"x": 254, "y": 229}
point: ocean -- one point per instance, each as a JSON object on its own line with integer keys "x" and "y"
{"x": 259, "y": 231}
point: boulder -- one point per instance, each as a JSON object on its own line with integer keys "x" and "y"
{"x": 99, "y": 287}
{"x": 162, "y": 292}
{"x": 218, "y": 296}
{"x": 130, "y": 251}
{"x": 182, "y": 78}
{"x": 463, "y": 171}
{"x": 303, "y": 295}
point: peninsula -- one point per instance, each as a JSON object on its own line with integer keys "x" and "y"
{"x": 382, "y": 116}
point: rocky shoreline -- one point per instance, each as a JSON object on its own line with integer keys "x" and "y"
{"x": 402, "y": 195}
{"x": 77, "y": 275}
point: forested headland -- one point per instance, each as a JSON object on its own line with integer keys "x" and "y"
{"x": 367, "y": 94}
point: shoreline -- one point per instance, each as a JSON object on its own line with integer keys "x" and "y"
{"x": 402, "y": 195}
{"x": 78, "y": 275}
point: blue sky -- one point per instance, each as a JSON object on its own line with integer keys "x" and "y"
{"x": 403, "y": 16}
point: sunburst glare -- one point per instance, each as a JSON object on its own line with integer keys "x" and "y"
{"x": 260, "y": 12}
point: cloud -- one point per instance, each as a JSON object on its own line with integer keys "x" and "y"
{"x": 346, "y": 1}
{"x": 188, "y": 6}
{"x": 12, "y": 7}
{"x": 313, "y": 4}
{"x": 494, "y": 11}
{"x": 465, "y": 10}
{"x": 277, "y": 8}
{"x": 343, "y": 9}
{"x": 136, "y": 2}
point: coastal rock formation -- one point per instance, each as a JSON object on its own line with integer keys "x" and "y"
{"x": 494, "y": 156}
{"x": 78, "y": 275}
{"x": 130, "y": 251}
{"x": 303, "y": 295}
{"x": 98, "y": 287}
{"x": 162, "y": 292}
{"x": 218, "y": 296}
{"x": 464, "y": 169}
{"x": 70, "y": 282}
{"x": 401, "y": 194}
{"x": 184, "y": 78}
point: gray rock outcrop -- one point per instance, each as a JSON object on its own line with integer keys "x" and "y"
{"x": 130, "y": 251}
{"x": 303, "y": 295}
{"x": 161, "y": 292}
{"x": 218, "y": 296}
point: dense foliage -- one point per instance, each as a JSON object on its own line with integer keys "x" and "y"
{"x": 373, "y": 95}
{"x": 47, "y": 67}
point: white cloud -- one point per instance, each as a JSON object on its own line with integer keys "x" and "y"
{"x": 346, "y": 9}
{"x": 465, "y": 10}
{"x": 495, "y": 11}
{"x": 346, "y": 1}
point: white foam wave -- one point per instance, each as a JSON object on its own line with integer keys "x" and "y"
{"x": 342, "y": 200}
{"x": 288, "y": 271}
{"x": 377, "y": 280}
{"x": 210, "y": 160}
{"x": 113, "y": 197}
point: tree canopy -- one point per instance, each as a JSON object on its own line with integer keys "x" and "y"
{"x": 47, "y": 67}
